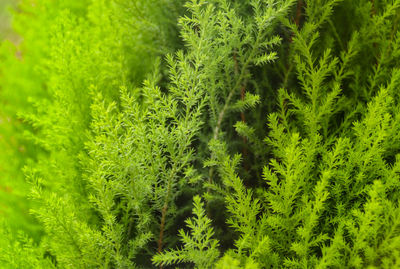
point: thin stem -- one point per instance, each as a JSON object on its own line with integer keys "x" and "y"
{"x": 164, "y": 210}
{"x": 162, "y": 223}
{"x": 232, "y": 92}
{"x": 298, "y": 12}
{"x": 162, "y": 226}
{"x": 297, "y": 20}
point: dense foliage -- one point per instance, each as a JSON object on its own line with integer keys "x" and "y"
{"x": 201, "y": 134}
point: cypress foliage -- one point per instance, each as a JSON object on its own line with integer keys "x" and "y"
{"x": 201, "y": 134}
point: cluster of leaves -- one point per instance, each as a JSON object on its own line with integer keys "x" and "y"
{"x": 206, "y": 134}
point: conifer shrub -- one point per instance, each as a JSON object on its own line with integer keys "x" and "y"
{"x": 201, "y": 134}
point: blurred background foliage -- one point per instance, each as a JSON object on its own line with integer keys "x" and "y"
{"x": 5, "y": 17}
{"x": 14, "y": 150}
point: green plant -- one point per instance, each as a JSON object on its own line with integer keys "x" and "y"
{"x": 206, "y": 134}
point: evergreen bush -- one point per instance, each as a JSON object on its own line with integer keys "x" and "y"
{"x": 201, "y": 134}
